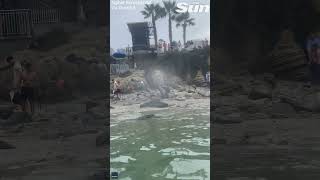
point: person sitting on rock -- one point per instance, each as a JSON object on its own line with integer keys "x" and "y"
{"x": 27, "y": 87}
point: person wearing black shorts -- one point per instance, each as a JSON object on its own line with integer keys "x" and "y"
{"x": 27, "y": 87}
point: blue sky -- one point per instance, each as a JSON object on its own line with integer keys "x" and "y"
{"x": 120, "y": 36}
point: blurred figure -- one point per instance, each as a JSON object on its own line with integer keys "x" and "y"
{"x": 116, "y": 88}
{"x": 60, "y": 84}
{"x": 208, "y": 77}
{"x": 179, "y": 45}
{"x": 17, "y": 70}
{"x": 27, "y": 87}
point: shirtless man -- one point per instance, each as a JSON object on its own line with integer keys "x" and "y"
{"x": 27, "y": 87}
{"x": 116, "y": 88}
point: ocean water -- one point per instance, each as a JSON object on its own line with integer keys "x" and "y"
{"x": 174, "y": 144}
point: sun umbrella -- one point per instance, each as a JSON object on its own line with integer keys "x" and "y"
{"x": 118, "y": 55}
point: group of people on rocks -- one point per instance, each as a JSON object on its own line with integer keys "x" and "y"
{"x": 25, "y": 84}
{"x": 22, "y": 89}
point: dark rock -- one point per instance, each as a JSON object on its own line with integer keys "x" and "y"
{"x": 90, "y": 104}
{"x": 283, "y": 142}
{"x": 203, "y": 92}
{"x": 17, "y": 118}
{"x": 72, "y": 58}
{"x": 66, "y": 134}
{"x": 257, "y": 133}
{"x": 100, "y": 175}
{"x": 5, "y": 145}
{"x": 225, "y": 119}
{"x": 217, "y": 141}
{"x": 307, "y": 103}
{"x": 282, "y": 109}
{"x": 180, "y": 99}
{"x": 103, "y": 139}
{"x": 154, "y": 104}
{"x": 190, "y": 91}
{"x": 144, "y": 117}
{"x": 260, "y": 91}
{"x": 6, "y": 111}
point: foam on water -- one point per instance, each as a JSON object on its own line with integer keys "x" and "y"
{"x": 114, "y": 153}
{"x": 117, "y": 169}
{"x": 181, "y": 151}
{"x": 176, "y": 142}
{"x": 143, "y": 148}
{"x": 189, "y": 126}
{"x": 186, "y": 169}
{"x": 122, "y": 159}
{"x": 114, "y": 137}
{"x": 197, "y": 141}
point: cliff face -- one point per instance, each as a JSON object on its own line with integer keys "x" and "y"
{"x": 245, "y": 32}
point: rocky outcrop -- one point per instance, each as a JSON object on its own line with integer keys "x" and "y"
{"x": 288, "y": 59}
{"x": 246, "y": 32}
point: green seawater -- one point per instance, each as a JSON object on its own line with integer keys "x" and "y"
{"x": 174, "y": 144}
